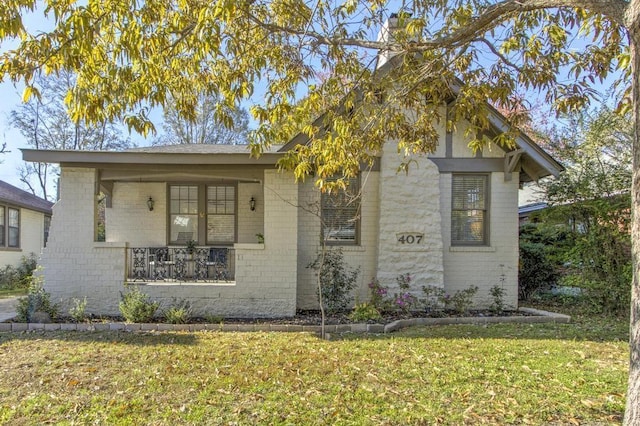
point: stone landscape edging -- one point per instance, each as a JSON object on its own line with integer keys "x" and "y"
{"x": 535, "y": 316}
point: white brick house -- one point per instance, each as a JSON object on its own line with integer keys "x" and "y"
{"x": 452, "y": 222}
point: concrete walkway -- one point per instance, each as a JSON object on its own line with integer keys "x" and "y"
{"x": 8, "y": 308}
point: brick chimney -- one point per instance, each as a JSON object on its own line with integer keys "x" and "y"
{"x": 386, "y": 36}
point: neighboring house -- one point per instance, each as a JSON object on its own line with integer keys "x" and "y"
{"x": 24, "y": 224}
{"x": 451, "y": 222}
{"x": 525, "y": 212}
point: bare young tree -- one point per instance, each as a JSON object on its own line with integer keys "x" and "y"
{"x": 206, "y": 126}
{"x": 45, "y": 123}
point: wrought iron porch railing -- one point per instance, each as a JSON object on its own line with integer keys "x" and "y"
{"x": 181, "y": 264}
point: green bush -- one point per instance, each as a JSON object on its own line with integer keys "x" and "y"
{"x": 337, "y": 280}
{"x": 135, "y": 306}
{"x": 12, "y": 278}
{"x": 364, "y": 312}
{"x": 461, "y": 301}
{"x": 537, "y": 272}
{"x": 36, "y": 303}
{"x": 179, "y": 314}
{"x": 77, "y": 312}
{"x": 434, "y": 298}
{"x": 497, "y": 294}
{"x": 601, "y": 266}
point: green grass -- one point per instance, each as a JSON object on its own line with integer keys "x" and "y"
{"x": 497, "y": 374}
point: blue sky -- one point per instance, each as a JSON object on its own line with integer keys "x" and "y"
{"x": 10, "y": 99}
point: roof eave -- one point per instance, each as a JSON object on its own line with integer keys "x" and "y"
{"x": 108, "y": 157}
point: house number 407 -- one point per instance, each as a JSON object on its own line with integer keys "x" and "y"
{"x": 410, "y": 238}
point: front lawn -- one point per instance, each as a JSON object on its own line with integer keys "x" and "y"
{"x": 497, "y": 374}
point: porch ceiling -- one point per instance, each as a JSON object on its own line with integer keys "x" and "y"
{"x": 163, "y": 173}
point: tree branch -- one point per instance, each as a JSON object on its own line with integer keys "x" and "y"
{"x": 490, "y": 18}
{"x": 502, "y": 57}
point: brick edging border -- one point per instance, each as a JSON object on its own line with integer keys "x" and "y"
{"x": 537, "y": 316}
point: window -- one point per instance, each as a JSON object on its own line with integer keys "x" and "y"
{"x": 203, "y": 213}
{"x": 2, "y": 227}
{"x": 47, "y": 225}
{"x": 340, "y": 214}
{"x": 469, "y": 210}
{"x": 9, "y": 227}
{"x": 183, "y": 213}
{"x": 14, "y": 228}
{"x": 221, "y": 214}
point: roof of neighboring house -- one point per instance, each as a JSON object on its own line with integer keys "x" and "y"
{"x": 530, "y": 208}
{"x": 16, "y": 196}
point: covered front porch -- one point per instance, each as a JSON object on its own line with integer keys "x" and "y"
{"x": 215, "y": 230}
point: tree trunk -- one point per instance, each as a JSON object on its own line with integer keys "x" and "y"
{"x": 632, "y": 411}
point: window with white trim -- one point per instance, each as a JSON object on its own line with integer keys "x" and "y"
{"x": 341, "y": 214}
{"x": 9, "y": 227}
{"x": 469, "y": 210}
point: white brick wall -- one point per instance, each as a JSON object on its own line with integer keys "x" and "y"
{"x": 250, "y": 222}
{"x": 129, "y": 219}
{"x": 75, "y": 266}
{"x": 409, "y": 203}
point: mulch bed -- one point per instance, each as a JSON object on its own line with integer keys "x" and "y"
{"x": 312, "y": 317}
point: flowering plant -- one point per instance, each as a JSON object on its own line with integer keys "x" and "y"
{"x": 378, "y": 294}
{"x": 404, "y": 301}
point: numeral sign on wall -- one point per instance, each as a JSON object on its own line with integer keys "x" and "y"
{"x": 410, "y": 237}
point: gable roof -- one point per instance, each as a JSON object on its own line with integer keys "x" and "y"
{"x": 11, "y": 195}
{"x": 536, "y": 163}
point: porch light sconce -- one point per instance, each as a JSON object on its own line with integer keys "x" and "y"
{"x": 252, "y": 204}
{"x": 150, "y": 204}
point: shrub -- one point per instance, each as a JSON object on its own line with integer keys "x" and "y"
{"x": 12, "y": 278}
{"x": 364, "y": 312}
{"x": 36, "y": 304}
{"x": 77, "y": 311}
{"x": 497, "y": 293}
{"x": 461, "y": 300}
{"x": 337, "y": 280}
{"x": 378, "y": 294}
{"x": 536, "y": 270}
{"x": 404, "y": 301}
{"x": 135, "y": 306}
{"x": 179, "y": 314}
{"x": 601, "y": 265}
{"x": 434, "y": 297}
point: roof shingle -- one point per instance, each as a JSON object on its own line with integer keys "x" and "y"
{"x": 12, "y": 195}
